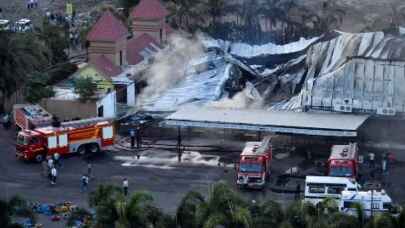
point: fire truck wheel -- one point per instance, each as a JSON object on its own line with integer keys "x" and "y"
{"x": 81, "y": 150}
{"x": 39, "y": 158}
{"x": 94, "y": 148}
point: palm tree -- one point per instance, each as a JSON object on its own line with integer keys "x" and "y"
{"x": 103, "y": 199}
{"x": 339, "y": 220}
{"x": 401, "y": 218}
{"x": 268, "y": 214}
{"x": 113, "y": 209}
{"x": 382, "y": 220}
{"x": 224, "y": 207}
{"x": 187, "y": 211}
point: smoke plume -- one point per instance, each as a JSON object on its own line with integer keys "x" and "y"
{"x": 169, "y": 65}
{"x": 249, "y": 97}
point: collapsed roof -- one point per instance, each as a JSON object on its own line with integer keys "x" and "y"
{"x": 341, "y": 72}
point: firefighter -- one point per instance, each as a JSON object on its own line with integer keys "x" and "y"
{"x": 56, "y": 158}
{"x": 54, "y": 174}
{"x": 50, "y": 163}
{"x": 84, "y": 183}
{"x": 132, "y": 134}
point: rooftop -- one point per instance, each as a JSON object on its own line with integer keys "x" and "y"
{"x": 149, "y": 9}
{"x": 107, "y": 28}
{"x": 140, "y": 47}
{"x": 105, "y": 66}
{"x": 306, "y": 123}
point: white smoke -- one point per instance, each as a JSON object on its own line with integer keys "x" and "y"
{"x": 169, "y": 66}
{"x": 249, "y": 97}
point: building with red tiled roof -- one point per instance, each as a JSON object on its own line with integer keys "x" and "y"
{"x": 107, "y": 28}
{"x": 149, "y": 17}
{"x": 149, "y": 9}
{"x": 103, "y": 65}
{"x": 138, "y": 49}
{"x": 108, "y": 37}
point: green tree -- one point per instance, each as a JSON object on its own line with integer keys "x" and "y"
{"x": 15, "y": 207}
{"x": 187, "y": 211}
{"x": 268, "y": 214}
{"x": 113, "y": 209}
{"x": 127, "y": 5}
{"x": 339, "y": 220}
{"x": 56, "y": 39}
{"x": 37, "y": 88}
{"x": 85, "y": 87}
{"x": 382, "y": 220}
{"x": 222, "y": 208}
{"x": 186, "y": 13}
{"x": 20, "y": 55}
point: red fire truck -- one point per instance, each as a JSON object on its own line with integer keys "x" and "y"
{"x": 89, "y": 135}
{"x": 30, "y": 116}
{"x": 343, "y": 161}
{"x": 254, "y": 165}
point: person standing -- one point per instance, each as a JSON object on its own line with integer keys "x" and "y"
{"x": 54, "y": 174}
{"x": 56, "y": 158}
{"x": 125, "y": 185}
{"x": 371, "y": 157}
{"x": 50, "y": 163}
{"x": 132, "y": 135}
{"x": 84, "y": 183}
{"x": 384, "y": 165}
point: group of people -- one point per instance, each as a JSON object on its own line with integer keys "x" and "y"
{"x": 50, "y": 166}
{"x": 32, "y": 4}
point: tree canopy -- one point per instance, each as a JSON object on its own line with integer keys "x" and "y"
{"x": 85, "y": 87}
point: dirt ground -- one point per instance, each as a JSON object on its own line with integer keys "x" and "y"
{"x": 360, "y": 15}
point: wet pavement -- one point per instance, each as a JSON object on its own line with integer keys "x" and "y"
{"x": 158, "y": 172}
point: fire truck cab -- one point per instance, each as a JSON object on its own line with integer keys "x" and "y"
{"x": 254, "y": 165}
{"x": 343, "y": 161}
{"x": 90, "y": 135}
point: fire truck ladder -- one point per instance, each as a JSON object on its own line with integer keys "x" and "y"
{"x": 85, "y": 122}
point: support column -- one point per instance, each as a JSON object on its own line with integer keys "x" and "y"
{"x": 179, "y": 149}
{"x": 259, "y": 136}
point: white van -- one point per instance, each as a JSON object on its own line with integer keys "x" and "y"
{"x": 318, "y": 188}
{"x": 24, "y": 25}
{"x": 378, "y": 201}
{"x": 5, "y": 25}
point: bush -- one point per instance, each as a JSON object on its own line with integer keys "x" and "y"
{"x": 86, "y": 88}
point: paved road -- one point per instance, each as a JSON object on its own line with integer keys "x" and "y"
{"x": 167, "y": 186}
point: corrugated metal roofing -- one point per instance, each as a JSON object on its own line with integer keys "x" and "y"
{"x": 307, "y": 123}
{"x": 362, "y": 85}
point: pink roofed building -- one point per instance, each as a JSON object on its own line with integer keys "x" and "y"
{"x": 149, "y": 17}
{"x": 108, "y": 37}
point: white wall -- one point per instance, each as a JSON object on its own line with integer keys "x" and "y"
{"x": 109, "y": 105}
{"x": 131, "y": 100}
